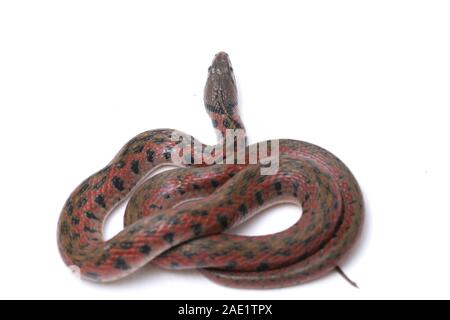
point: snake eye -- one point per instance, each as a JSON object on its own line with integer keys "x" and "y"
{"x": 231, "y": 69}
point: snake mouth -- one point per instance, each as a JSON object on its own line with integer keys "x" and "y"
{"x": 221, "y": 64}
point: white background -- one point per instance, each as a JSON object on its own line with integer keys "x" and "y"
{"x": 368, "y": 80}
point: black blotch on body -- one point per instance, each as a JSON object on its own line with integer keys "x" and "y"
{"x": 167, "y": 153}
{"x": 215, "y": 183}
{"x": 285, "y": 253}
{"x": 262, "y": 266}
{"x": 223, "y": 220}
{"x": 295, "y": 186}
{"x": 120, "y": 164}
{"x": 121, "y": 264}
{"x": 277, "y": 186}
{"x": 64, "y": 228}
{"x": 75, "y": 236}
{"x": 135, "y": 166}
{"x": 231, "y": 265}
{"x": 259, "y": 197}
{"x": 81, "y": 202}
{"x": 91, "y": 215}
{"x": 145, "y": 249}
{"x": 195, "y": 187}
{"x": 88, "y": 229}
{"x": 168, "y": 237}
{"x": 117, "y": 183}
{"x": 196, "y": 228}
{"x": 100, "y": 200}
{"x": 75, "y": 220}
{"x": 150, "y": 155}
{"x": 243, "y": 209}
{"x": 69, "y": 207}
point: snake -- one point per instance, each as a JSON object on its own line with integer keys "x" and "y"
{"x": 178, "y": 219}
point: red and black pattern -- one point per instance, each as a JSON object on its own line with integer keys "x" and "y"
{"x": 177, "y": 218}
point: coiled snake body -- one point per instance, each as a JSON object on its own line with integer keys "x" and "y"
{"x": 176, "y": 218}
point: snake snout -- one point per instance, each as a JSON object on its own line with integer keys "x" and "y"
{"x": 221, "y": 64}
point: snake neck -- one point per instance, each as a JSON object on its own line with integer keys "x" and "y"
{"x": 221, "y": 103}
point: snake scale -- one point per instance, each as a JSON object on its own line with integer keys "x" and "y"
{"x": 176, "y": 219}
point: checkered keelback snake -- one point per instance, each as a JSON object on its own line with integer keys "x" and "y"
{"x": 177, "y": 218}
